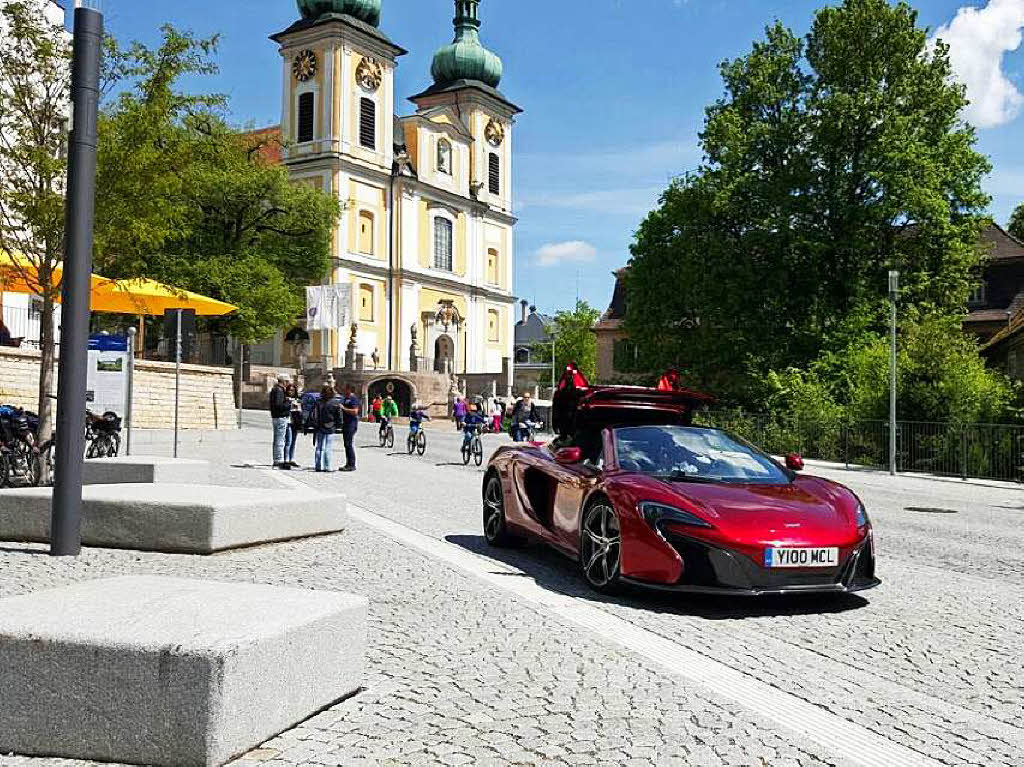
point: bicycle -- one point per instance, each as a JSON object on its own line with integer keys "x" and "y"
{"x": 417, "y": 441}
{"x": 387, "y": 435}
{"x": 102, "y": 435}
{"x": 473, "y": 449}
{"x": 527, "y": 430}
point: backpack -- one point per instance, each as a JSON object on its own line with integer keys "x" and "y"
{"x": 324, "y": 415}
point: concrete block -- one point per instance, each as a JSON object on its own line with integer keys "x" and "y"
{"x": 147, "y": 470}
{"x": 177, "y": 518}
{"x": 167, "y": 671}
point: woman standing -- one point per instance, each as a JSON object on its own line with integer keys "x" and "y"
{"x": 295, "y": 425}
{"x": 328, "y": 419}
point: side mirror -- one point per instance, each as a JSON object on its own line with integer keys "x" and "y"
{"x": 569, "y": 456}
{"x": 795, "y": 462}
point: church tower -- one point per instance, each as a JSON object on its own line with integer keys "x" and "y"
{"x": 337, "y": 129}
{"x": 425, "y": 239}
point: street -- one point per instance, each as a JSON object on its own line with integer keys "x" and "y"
{"x": 479, "y": 656}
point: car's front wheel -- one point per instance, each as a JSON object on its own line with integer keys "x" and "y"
{"x": 495, "y": 527}
{"x": 600, "y": 548}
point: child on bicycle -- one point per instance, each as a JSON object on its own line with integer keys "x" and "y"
{"x": 471, "y": 421}
{"x": 417, "y": 417}
{"x": 388, "y": 410}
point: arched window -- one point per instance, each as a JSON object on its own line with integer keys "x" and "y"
{"x": 444, "y": 156}
{"x": 366, "y": 313}
{"x": 307, "y": 117}
{"x": 368, "y": 123}
{"x": 522, "y": 356}
{"x": 366, "y": 232}
{"x": 492, "y": 266}
{"x": 494, "y": 173}
{"x": 493, "y": 326}
{"x": 443, "y": 243}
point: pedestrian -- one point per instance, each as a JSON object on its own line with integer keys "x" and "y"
{"x": 350, "y": 425}
{"x": 280, "y": 417}
{"x": 296, "y": 423}
{"x": 327, "y": 417}
{"x": 496, "y": 412}
{"x": 378, "y": 403}
{"x": 459, "y": 411}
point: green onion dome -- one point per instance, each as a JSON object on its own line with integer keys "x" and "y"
{"x": 466, "y": 58}
{"x": 364, "y": 10}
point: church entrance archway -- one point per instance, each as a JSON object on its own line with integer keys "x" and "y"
{"x": 401, "y": 392}
{"x": 444, "y": 354}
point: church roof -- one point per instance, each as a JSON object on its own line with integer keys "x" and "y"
{"x": 346, "y": 19}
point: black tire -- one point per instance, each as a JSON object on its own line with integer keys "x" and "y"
{"x": 410, "y": 443}
{"x": 390, "y": 438}
{"x": 495, "y": 527}
{"x": 5, "y": 470}
{"x": 601, "y": 547}
{"x": 467, "y": 453}
{"x": 421, "y": 443}
{"x": 478, "y": 451}
{"x": 383, "y": 438}
{"x": 115, "y": 446}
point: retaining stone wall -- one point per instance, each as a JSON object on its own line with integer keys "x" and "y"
{"x": 207, "y": 394}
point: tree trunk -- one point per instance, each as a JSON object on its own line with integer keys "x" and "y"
{"x": 47, "y": 358}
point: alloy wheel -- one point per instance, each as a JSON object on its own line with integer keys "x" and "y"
{"x": 495, "y": 527}
{"x": 601, "y": 547}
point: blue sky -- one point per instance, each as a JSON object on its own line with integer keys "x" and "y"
{"x": 613, "y": 93}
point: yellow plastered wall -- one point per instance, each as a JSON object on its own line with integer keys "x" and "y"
{"x": 365, "y": 198}
{"x": 412, "y": 146}
{"x": 376, "y": 326}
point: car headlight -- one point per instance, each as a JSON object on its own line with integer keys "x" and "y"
{"x": 862, "y": 515}
{"x": 656, "y": 513}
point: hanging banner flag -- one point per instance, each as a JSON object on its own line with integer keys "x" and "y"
{"x": 328, "y": 307}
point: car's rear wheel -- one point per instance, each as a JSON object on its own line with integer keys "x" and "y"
{"x": 600, "y": 548}
{"x": 495, "y": 527}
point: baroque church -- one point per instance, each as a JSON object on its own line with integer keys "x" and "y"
{"x": 426, "y": 234}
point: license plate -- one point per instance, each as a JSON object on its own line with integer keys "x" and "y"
{"x": 801, "y": 557}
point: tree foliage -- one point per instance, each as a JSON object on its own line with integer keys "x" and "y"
{"x": 1016, "y": 225}
{"x": 35, "y": 88}
{"x": 575, "y": 342}
{"x": 940, "y": 377}
{"x": 187, "y": 200}
{"x": 829, "y": 160}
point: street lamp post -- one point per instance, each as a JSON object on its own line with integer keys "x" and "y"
{"x": 894, "y": 289}
{"x": 66, "y": 512}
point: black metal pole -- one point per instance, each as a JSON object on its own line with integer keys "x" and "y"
{"x": 66, "y": 515}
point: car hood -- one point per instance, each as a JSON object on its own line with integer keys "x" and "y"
{"x": 801, "y": 512}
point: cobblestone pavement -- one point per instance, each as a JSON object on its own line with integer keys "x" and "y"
{"x": 462, "y": 673}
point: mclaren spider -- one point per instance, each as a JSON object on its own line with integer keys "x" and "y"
{"x": 637, "y": 494}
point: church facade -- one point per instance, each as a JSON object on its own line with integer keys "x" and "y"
{"x": 426, "y": 234}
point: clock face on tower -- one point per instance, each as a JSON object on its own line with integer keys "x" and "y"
{"x": 495, "y": 133}
{"x": 304, "y": 66}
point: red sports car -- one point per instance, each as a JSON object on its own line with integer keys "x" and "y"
{"x": 638, "y": 495}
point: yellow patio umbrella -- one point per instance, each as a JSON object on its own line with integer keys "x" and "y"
{"x": 143, "y": 296}
{"x": 136, "y": 296}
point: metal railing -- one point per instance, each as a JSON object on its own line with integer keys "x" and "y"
{"x": 977, "y": 450}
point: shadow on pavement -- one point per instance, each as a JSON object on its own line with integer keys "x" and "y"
{"x": 19, "y": 550}
{"x": 554, "y": 572}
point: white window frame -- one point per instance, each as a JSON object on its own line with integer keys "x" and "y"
{"x": 301, "y": 90}
{"x": 442, "y": 216}
{"x": 447, "y": 169}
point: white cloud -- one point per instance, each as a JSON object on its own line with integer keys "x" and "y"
{"x": 979, "y": 39}
{"x": 556, "y": 253}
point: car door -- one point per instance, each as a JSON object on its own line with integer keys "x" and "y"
{"x": 534, "y": 486}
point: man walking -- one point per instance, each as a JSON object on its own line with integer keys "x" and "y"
{"x": 280, "y": 415}
{"x": 350, "y": 425}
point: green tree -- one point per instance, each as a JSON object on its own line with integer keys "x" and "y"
{"x": 216, "y": 216}
{"x": 575, "y": 342}
{"x": 1016, "y": 225}
{"x": 829, "y": 160}
{"x": 35, "y": 89}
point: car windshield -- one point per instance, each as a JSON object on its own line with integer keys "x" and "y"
{"x": 693, "y": 454}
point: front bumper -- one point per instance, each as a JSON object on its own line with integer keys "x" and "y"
{"x": 709, "y": 569}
